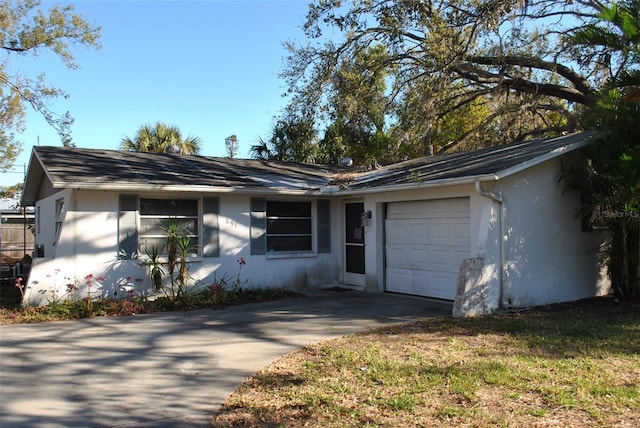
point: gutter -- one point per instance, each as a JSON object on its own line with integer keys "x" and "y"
{"x": 411, "y": 186}
{"x": 497, "y": 197}
{"x": 184, "y": 189}
{"x": 332, "y": 190}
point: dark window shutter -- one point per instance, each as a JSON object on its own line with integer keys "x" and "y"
{"x": 324, "y": 225}
{"x": 127, "y": 228}
{"x": 258, "y": 226}
{"x": 210, "y": 227}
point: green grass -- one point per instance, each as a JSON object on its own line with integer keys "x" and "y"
{"x": 571, "y": 365}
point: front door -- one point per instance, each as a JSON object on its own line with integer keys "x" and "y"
{"x": 354, "y": 244}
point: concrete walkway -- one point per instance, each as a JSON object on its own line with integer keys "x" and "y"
{"x": 170, "y": 369}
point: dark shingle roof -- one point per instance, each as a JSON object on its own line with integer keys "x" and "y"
{"x": 113, "y": 169}
{"x": 85, "y": 167}
{"x": 492, "y": 161}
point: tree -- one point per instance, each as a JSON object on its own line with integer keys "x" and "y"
{"x": 607, "y": 173}
{"x": 160, "y": 138}
{"x": 11, "y": 191}
{"x": 27, "y": 30}
{"x": 232, "y": 145}
{"x": 292, "y": 140}
{"x": 512, "y": 62}
{"x": 357, "y": 118}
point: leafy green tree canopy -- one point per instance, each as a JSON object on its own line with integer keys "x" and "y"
{"x": 10, "y": 191}
{"x": 27, "y": 30}
{"x": 607, "y": 173}
{"x": 515, "y": 64}
{"x": 161, "y": 138}
{"x": 292, "y": 140}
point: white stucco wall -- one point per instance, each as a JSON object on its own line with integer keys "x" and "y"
{"x": 45, "y": 221}
{"x": 282, "y": 270}
{"x": 548, "y": 258}
{"x": 86, "y": 253}
{"x": 544, "y": 258}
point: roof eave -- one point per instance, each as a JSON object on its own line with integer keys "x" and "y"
{"x": 150, "y": 188}
{"x": 560, "y": 151}
{"x": 419, "y": 185}
{"x": 35, "y": 172}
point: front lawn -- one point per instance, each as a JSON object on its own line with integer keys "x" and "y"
{"x": 569, "y": 365}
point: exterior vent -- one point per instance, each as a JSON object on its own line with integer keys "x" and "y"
{"x": 346, "y": 162}
{"x": 174, "y": 149}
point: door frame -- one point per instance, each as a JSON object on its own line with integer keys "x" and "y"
{"x": 353, "y": 278}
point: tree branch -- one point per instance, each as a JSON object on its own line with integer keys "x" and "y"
{"x": 534, "y": 62}
{"x": 475, "y": 74}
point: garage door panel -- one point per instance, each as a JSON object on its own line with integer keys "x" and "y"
{"x": 414, "y": 256}
{"x": 441, "y": 260}
{"x": 462, "y": 230}
{"x": 448, "y": 232}
{"x": 460, "y": 207}
{"x": 449, "y": 208}
{"x": 440, "y": 208}
{"x": 399, "y": 280}
{"x": 419, "y": 282}
{"x": 426, "y": 242}
{"x": 439, "y": 231}
{"x": 408, "y": 209}
{"x": 447, "y": 259}
{"x": 422, "y": 283}
{"x": 417, "y": 258}
{"x": 407, "y": 231}
{"x": 395, "y": 255}
{"x": 441, "y": 285}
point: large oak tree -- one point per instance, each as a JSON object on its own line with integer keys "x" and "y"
{"x": 512, "y": 67}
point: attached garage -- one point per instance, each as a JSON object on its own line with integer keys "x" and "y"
{"x": 425, "y": 242}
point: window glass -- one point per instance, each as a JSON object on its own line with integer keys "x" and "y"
{"x": 289, "y": 226}
{"x": 169, "y": 207}
{"x": 156, "y": 215}
{"x": 59, "y": 217}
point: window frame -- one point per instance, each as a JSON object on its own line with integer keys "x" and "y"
{"x": 59, "y": 219}
{"x": 195, "y": 218}
{"x": 275, "y": 220}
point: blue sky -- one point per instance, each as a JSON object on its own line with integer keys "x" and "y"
{"x": 210, "y": 67}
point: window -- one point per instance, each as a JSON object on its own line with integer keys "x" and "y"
{"x": 157, "y": 214}
{"x": 59, "y": 218}
{"x": 286, "y": 226}
{"x": 142, "y": 223}
{"x": 289, "y": 226}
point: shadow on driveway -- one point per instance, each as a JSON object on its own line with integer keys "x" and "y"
{"x": 171, "y": 369}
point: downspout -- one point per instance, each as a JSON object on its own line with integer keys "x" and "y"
{"x": 497, "y": 197}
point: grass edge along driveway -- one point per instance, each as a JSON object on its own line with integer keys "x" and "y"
{"x": 571, "y": 365}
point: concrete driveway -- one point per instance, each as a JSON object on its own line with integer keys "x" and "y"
{"x": 170, "y": 369}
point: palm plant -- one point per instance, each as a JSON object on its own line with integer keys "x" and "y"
{"x": 154, "y": 263}
{"x": 175, "y": 230}
{"x": 160, "y": 138}
{"x": 607, "y": 173}
{"x": 183, "y": 250}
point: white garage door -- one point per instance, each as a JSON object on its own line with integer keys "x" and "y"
{"x": 425, "y": 243}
